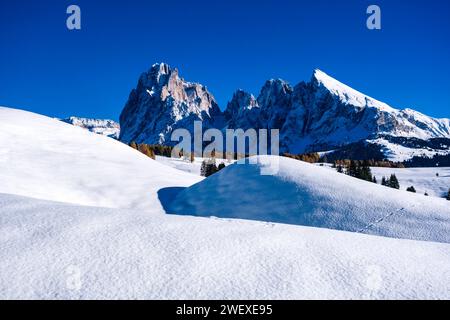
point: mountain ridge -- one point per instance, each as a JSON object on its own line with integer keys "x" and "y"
{"x": 320, "y": 115}
{"x": 106, "y": 127}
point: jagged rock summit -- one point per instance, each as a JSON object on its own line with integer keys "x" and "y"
{"x": 163, "y": 102}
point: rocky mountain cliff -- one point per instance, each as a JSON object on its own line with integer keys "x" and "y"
{"x": 320, "y": 115}
{"x": 163, "y": 102}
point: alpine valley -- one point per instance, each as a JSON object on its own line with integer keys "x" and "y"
{"x": 322, "y": 115}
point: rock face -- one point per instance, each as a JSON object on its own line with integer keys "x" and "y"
{"x": 319, "y": 115}
{"x": 108, "y": 128}
{"x": 324, "y": 114}
{"x": 242, "y": 111}
{"x": 163, "y": 102}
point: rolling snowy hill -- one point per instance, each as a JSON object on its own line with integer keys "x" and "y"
{"x": 305, "y": 194}
{"x": 44, "y": 158}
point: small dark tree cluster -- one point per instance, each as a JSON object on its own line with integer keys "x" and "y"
{"x": 307, "y": 157}
{"x": 370, "y": 163}
{"x": 392, "y": 182}
{"x": 143, "y": 148}
{"x": 424, "y": 161}
{"x": 209, "y": 167}
{"x": 411, "y": 189}
{"x": 160, "y": 150}
{"x": 357, "y": 169}
{"x": 151, "y": 150}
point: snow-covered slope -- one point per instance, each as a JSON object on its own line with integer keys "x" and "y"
{"x": 44, "y": 158}
{"x": 399, "y": 152}
{"x": 347, "y": 94}
{"x": 309, "y": 195}
{"x": 390, "y": 121}
{"x": 108, "y": 128}
{"x": 56, "y": 251}
{"x": 327, "y": 114}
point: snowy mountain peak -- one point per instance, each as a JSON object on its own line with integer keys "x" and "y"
{"x": 108, "y": 128}
{"x": 320, "y": 115}
{"x": 347, "y": 94}
{"x": 162, "y": 102}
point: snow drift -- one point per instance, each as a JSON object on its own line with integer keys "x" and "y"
{"x": 309, "y": 195}
{"x": 58, "y": 251}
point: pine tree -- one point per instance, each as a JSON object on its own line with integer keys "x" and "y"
{"x": 384, "y": 182}
{"x": 393, "y": 182}
{"x": 352, "y": 169}
{"x": 365, "y": 173}
{"x": 374, "y": 180}
{"x": 203, "y": 169}
{"x": 208, "y": 168}
{"x": 340, "y": 168}
{"x": 411, "y": 189}
{"x": 211, "y": 168}
{"x": 448, "y": 195}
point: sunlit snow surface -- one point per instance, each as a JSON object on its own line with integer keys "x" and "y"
{"x": 45, "y": 158}
{"x": 45, "y": 246}
{"x": 133, "y": 249}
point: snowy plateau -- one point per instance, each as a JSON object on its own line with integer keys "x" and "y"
{"x": 84, "y": 216}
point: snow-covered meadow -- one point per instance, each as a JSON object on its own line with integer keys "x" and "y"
{"x": 433, "y": 181}
{"x": 84, "y": 216}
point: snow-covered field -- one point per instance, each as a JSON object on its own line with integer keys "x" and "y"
{"x": 52, "y": 250}
{"x": 433, "y": 181}
{"x": 423, "y": 179}
{"x": 77, "y": 248}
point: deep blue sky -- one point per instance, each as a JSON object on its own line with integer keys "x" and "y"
{"x": 224, "y": 45}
